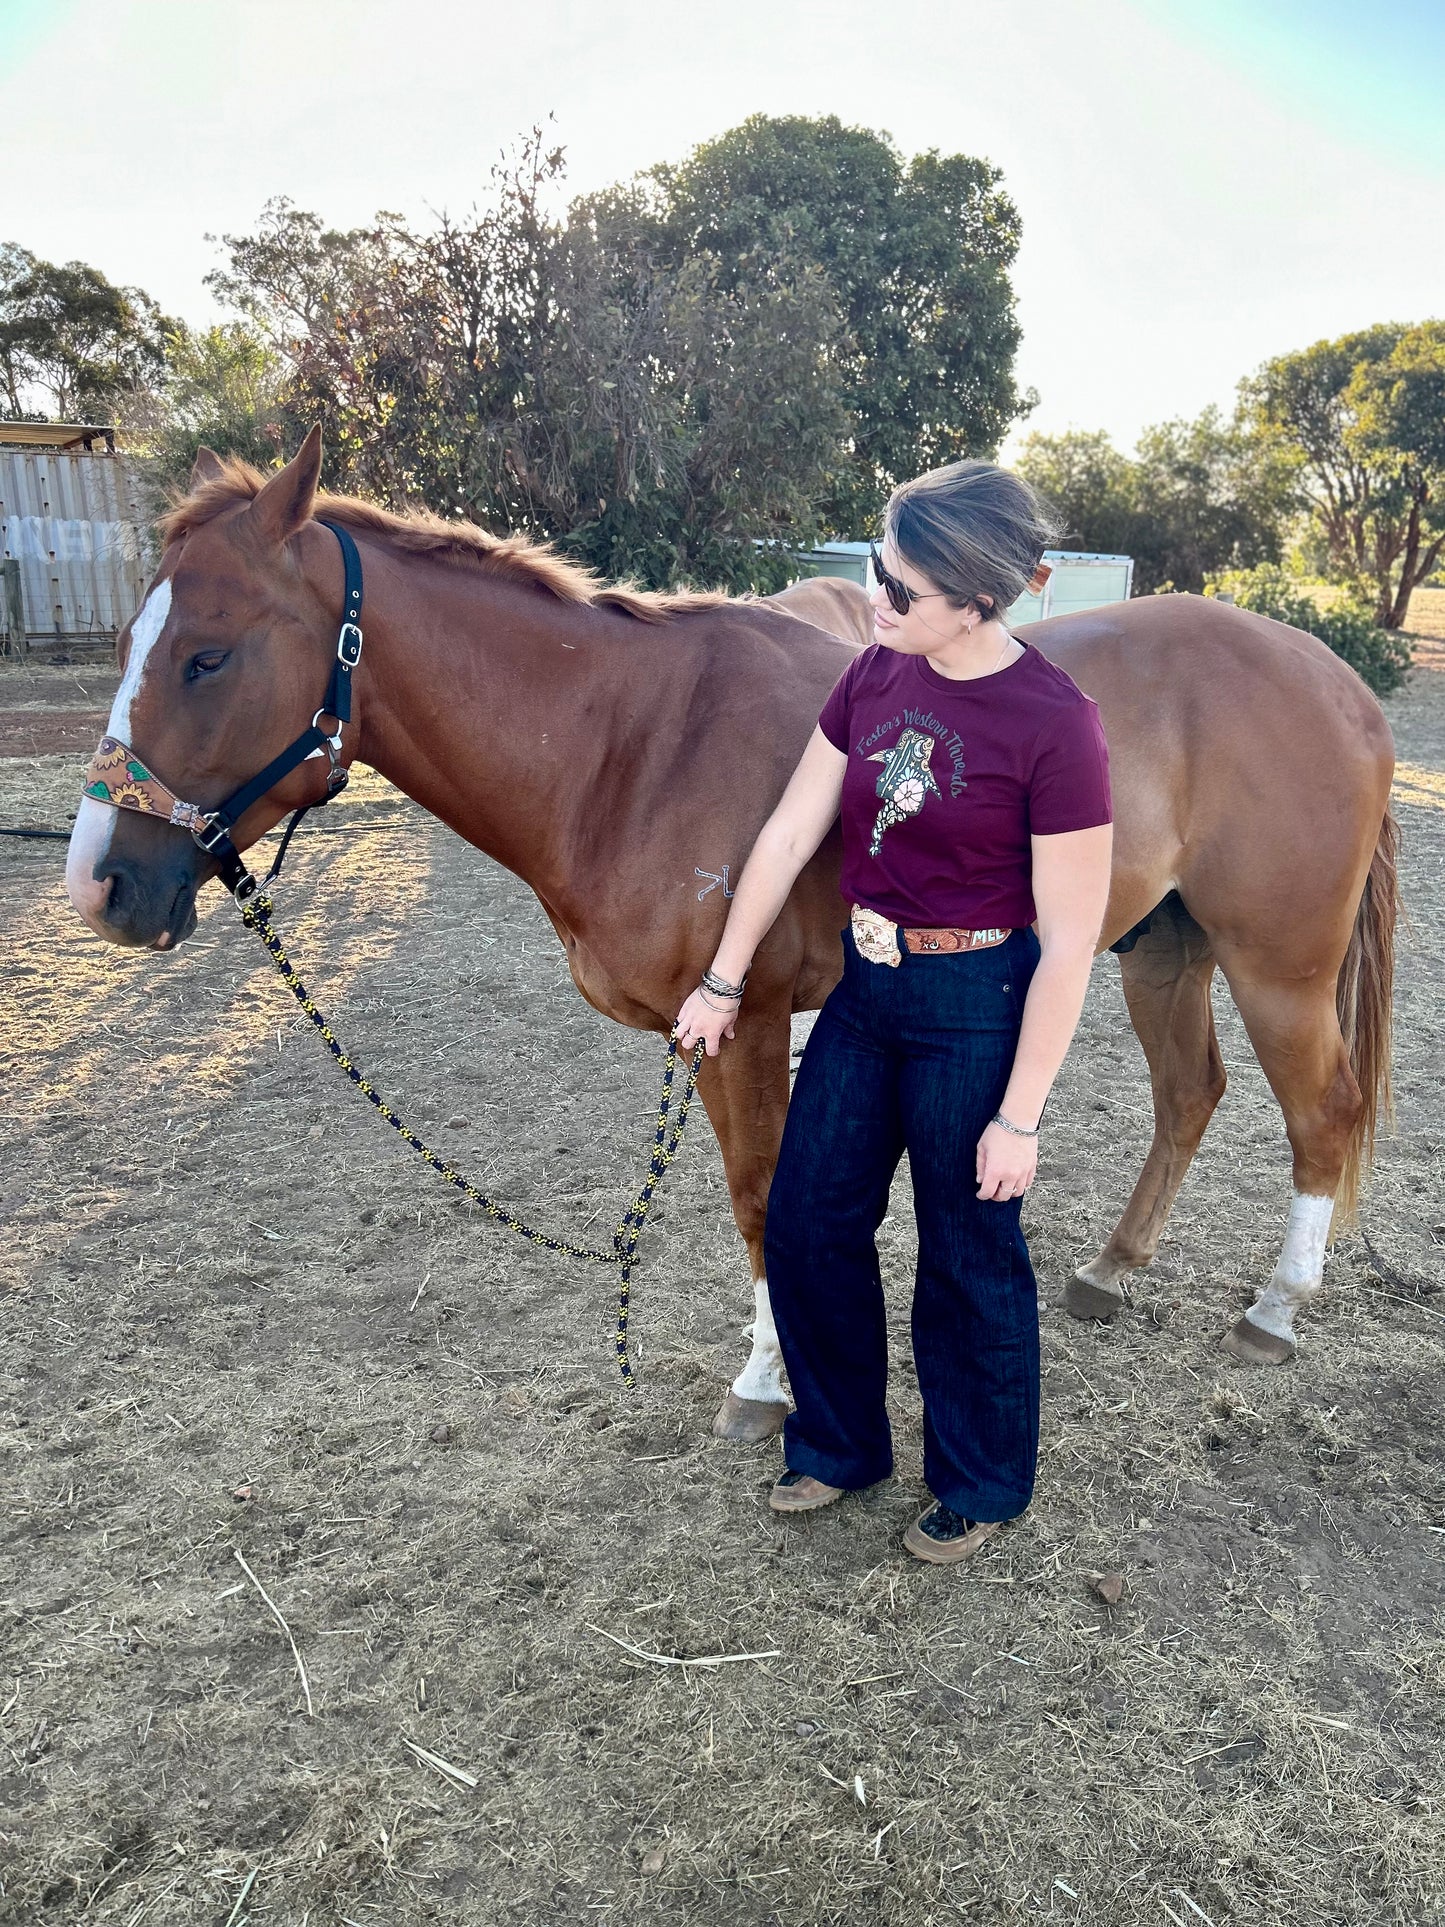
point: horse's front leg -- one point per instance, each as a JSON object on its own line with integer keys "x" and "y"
{"x": 745, "y": 1090}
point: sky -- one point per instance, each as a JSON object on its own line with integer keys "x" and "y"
{"x": 1202, "y": 183}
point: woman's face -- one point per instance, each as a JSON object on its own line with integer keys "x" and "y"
{"x": 932, "y": 622}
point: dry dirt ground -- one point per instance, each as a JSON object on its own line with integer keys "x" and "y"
{"x": 241, "y": 1322}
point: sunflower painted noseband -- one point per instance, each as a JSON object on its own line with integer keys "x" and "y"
{"x": 118, "y": 777}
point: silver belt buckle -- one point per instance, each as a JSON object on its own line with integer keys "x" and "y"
{"x": 875, "y": 937}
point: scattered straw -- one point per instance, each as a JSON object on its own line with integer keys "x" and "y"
{"x": 458, "y": 1775}
{"x": 1399, "y": 1298}
{"x": 671, "y": 1659}
{"x": 235, "y": 1914}
{"x": 280, "y": 1619}
{"x": 1180, "y": 1894}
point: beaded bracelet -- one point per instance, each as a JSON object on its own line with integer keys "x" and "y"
{"x": 1014, "y": 1130}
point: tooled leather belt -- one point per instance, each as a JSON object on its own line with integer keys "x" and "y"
{"x": 883, "y": 942}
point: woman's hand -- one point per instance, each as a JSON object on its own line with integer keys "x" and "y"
{"x": 1006, "y": 1164}
{"x": 704, "y": 1021}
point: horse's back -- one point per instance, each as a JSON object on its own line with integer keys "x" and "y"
{"x": 831, "y": 603}
{"x": 1249, "y": 763}
{"x": 1204, "y": 686}
{"x": 1212, "y": 654}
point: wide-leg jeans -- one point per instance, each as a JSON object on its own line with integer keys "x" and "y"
{"x": 911, "y": 1058}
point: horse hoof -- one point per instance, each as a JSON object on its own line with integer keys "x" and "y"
{"x": 748, "y": 1421}
{"x": 1084, "y": 1299}
{"x": 1253, "y": 1346}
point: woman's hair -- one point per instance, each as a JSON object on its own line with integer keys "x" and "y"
{"x": 976, "y": 531}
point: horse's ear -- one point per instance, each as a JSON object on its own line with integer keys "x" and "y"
{"x": 284, "y": 504}
{"x": 208, "y": 467}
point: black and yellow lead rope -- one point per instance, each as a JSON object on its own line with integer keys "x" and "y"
{"x": 256, "y": 914}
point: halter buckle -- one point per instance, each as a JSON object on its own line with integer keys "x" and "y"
{"x": 348, "y": 644}
{"x": 210, "y": 834}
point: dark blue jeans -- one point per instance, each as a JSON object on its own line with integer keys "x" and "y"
{"x": 914, "y": 1058}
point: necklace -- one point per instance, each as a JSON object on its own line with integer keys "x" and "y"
{"x": 996, "y": 664}
{"x": 992, "y": 669}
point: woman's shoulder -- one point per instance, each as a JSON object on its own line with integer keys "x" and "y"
{"x": 1050, "y": 686}
{"x": 1058, "y": 716}
{"x": 867, "y": 659}
{"x": 860, "y": 675}
{"x": 871, "y": 667}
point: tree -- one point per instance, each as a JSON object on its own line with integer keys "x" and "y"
{"x": 1362, "y": 420}
{"x": 222, "y": 388}
{"x": 17, "y": 267}
{"x": 1399, "y": 433}
{"x": 552, "y": 377}
{"x": 917, "y": 255}
{"x": 70, "y": 336}
{"x": 1378, "y": 656}
{"x": 1208, "y": 495}
{"x": 689, "y": 376}
{"x": 1090, "y": 483}
{"x": 1196, "y": 497}
{"x": 357, "y": 334}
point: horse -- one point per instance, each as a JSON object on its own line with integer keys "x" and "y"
{"x": 613, "y": 747}
{"x": 831, "y": 603}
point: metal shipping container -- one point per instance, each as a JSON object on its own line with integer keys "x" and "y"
{"x": 75, "y": 525}
{"x": 1079, "y": 581}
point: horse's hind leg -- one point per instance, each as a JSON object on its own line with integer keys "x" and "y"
{"x": 1166, "y": 986}
{"x": 1295, "y": 1032}
{"x": 745, "y": 1089}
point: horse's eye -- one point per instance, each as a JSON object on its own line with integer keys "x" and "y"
{"x": 206, "y": 664}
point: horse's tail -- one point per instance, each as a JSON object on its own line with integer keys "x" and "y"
{"x": 1363, "y": 999}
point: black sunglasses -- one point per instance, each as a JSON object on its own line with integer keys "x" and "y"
{"x": 901, "y": 598}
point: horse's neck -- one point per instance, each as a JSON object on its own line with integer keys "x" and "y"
{"x": 491, "y": 705}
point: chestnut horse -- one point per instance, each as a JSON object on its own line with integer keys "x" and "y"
{"x": 612, "y": 748}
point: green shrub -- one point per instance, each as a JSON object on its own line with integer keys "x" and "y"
{"x": 1379, "y": 656}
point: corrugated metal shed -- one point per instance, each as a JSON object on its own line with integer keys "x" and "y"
{"x": 75, "y": 525}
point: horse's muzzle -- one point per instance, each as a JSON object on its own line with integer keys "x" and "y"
{"x": 133, "y": 881}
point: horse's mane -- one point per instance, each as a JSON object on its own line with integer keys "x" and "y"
{"x": 463, "y": 543}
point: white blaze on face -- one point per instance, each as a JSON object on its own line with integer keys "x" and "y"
{"x": 94, "y": 822}
{"x": 1300, "y": 1269}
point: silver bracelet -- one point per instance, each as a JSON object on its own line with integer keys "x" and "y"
{"x": 1014, "y": 1130}
{"x": 720, "y": 987}
{"x": 720, "y": 1008}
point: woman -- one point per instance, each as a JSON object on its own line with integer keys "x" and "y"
{"x": 972, "y": 778}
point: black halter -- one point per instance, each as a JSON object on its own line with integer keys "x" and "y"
{"x": 214, "y": 836}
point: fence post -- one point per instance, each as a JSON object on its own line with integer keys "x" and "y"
{"x": 13, "y": 640}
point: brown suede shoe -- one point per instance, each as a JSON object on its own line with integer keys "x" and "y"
{"x": 945, "y": 1538}
{"x": 801, "y": 1492}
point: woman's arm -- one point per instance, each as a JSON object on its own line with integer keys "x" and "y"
{"x": 791, "y": 834}
{"x": 1071, "y": 890}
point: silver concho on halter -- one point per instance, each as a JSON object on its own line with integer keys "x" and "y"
{"x": 875, "y": 936}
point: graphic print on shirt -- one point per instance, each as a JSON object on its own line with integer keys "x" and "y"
{"x": 904, "y": 782}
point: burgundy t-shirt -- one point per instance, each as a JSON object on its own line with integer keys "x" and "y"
{"x": 946, "y": 782}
